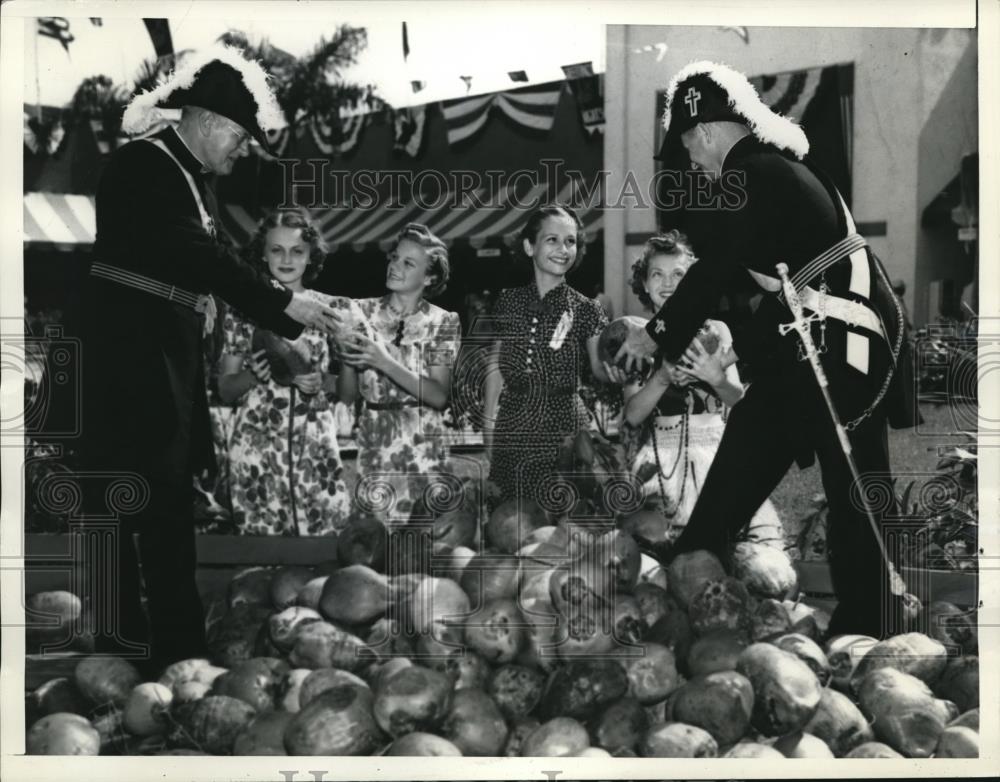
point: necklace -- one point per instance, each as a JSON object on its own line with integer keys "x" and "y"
{"x": 402, "y": 315}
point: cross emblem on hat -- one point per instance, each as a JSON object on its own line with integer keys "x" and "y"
{"x": 691, "y": 99}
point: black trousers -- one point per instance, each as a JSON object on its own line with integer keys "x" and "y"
{"x": 766, "y": 432}
{"x": 152, "y": 555}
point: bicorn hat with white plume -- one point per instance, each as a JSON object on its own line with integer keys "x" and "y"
{"x": 218, "y": 78}
{"x": 709, "y": 92}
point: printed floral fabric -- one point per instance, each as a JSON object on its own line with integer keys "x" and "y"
{"x": 284, "y": 463}
{"x": 401, "y": 448}
{"x": 543, "y": 360}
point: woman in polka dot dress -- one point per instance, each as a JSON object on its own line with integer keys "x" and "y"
{"x": 547, "y": 345}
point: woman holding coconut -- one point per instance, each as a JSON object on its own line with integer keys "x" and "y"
{"x": 398, "y": 357}
{"x": 285, "y": 467}
{"x": 678, "y": 414}
{"x": 547, "y": 344}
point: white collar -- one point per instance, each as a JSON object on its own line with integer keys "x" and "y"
{"x": 204, "y": 169}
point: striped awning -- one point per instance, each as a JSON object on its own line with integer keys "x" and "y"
{"x": 505, "y": 213}
{"x": 54, "y": 218}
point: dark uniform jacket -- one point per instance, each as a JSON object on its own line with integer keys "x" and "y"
{"x": 773, "y": 209}
{"x": 144, "y": 405}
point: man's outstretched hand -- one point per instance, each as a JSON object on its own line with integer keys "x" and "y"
{"x": 310, "y": 312}
{"x": 638, "y": 348}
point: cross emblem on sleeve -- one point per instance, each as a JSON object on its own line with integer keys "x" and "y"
{"x": 660, "y": 326}
{"x": 691, "y": 99}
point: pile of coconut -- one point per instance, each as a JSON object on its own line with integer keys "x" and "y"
{"x": 524, "y": 638}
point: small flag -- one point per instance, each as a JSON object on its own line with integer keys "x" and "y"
{"x": 408, "y": 130}
{"x": 97, "y": 21}
{"x": 406, "y": 43}
{"x": 468, "y": 82}
{"x": 418, "y": 85}
{"x": 56, "y": 27}
{"x": 579, "y": 70}
{"x": 518, "y": 76}
{"x": 159, "y": 33}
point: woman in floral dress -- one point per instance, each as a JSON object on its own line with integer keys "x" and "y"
{"x": 677, "y": 414}
{"x": 547, "y": 342}
{"x": 285, "y": 468}
{"x": 398, "y": 358}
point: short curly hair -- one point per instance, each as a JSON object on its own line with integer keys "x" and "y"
{"x": 437, "y": 255}
{"x": 670, "y": 243}
{"x": 534, "y": 224}
{"x": 253, "y": 252}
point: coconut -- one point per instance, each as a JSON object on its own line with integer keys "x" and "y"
{"x": 715, "y": 651}
{"x": 516, "y": 690}
{"x": 104, "y": 680}
{"x": 474, "y": 724}
{"x": 653, "y": 675}
{"x": 415, "y": 698}
{"x": 722, "y": 604}
{"x": 906, "y": 716}
{"x": 958, "y": 742}
{"x": 283, "y": 625}
{"x": 802, "y": 745}
{"x": 354, "y": 595}
{"x": 423, "y": 745}
{"x": 809, "y": 652}
{"x": 512, "y": 522}
{"x": 265, "y": 735}
{"x": 786, "y": 691}
{"x": 912, "y": 653}
{"x": 766, "y": 571}
{"x": 677, "y": 740}
{"x": 872, "y": 750}
{"x": 768, "y": 620}
{"x": 146, "y": 709}
{"x": 286, "y": 583}
{"x": 953, "y": 626}
{"x": 688, "y": 574}
{"x": 845, "y": 652}
{"x": 496, "y": 631}
{"x": 959, "y": 683}
{"x": 62, "y": 734}
{"x": 581, "y": 688}
{"x": 839, "y": 722}
{"x": 621, "y": 725}
{"x": 336, "y": 722}
{"x": 559, "y": 737}
{"x": 720, "y": 703}
{"x": 214, "y": 722}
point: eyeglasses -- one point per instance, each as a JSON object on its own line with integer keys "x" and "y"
{"x": 236, "y": 130}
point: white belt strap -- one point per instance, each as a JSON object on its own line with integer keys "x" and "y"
{"x": 861, "y": 284}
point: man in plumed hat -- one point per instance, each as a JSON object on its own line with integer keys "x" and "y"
{"x": 158, "y": 261}
{"x": 787, "y": 211}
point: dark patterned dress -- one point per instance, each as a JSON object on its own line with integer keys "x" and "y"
{"x": 543, "y": 358}
{"x": 401, "y": 443}
{"x": 284, "y": 463}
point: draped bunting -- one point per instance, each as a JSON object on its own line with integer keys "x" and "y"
{"x": 340, "y": 137}
{"x": 788, "y": 93}
{"x": 532, "y": 107}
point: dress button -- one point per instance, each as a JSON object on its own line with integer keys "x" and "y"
{"x": 534, "y": 320}
{"x": 529, "y": 359}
